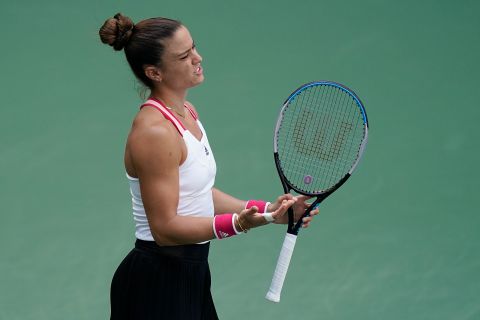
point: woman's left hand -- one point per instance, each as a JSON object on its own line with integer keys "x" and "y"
{"x": 299, "y": 208}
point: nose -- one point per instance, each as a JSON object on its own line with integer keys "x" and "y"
{"x": 197, "y": 58}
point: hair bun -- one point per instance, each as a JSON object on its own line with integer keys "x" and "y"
{"x": 116, "y": 31}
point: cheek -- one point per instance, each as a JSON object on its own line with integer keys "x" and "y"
{"x": 183, "y": 69}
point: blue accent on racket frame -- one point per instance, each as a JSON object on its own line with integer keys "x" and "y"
{"x": 332, "y": 84}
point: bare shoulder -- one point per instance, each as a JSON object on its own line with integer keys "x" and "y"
{"x": 152, "y": 140}
{"x": 150, "y": 124}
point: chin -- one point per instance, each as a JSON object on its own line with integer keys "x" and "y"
{"x": 198, "y": 81}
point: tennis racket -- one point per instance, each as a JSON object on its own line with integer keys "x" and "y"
{"x": 320, "y": 136}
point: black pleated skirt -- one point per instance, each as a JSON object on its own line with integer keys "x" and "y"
{"x": 154, "y": 282}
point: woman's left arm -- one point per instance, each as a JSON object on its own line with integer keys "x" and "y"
{"x": 226, "y": 203}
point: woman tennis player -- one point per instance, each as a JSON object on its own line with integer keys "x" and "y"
{"x": 171, "y": 171}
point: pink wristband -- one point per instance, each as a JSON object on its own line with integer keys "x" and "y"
{"x": 224, "y": 225}
{"x": 260, "y": 204}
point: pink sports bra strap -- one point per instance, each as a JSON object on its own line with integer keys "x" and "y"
{"x": 166, "y": 113}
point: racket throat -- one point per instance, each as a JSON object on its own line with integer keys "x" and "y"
{"x": 291, "y": 221}
{"x": 312, "y": 207}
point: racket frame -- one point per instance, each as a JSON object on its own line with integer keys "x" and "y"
{"x": 288, "y": 246}
{"x": 293, "y": 228}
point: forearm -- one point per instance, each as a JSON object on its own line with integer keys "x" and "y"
{"x": 178, "y": 230}
{"x": 226, "y": 203}
{"x": 182, "y": 230}
{"x": 188, "y": 230}
{"x": 168, "y": 228}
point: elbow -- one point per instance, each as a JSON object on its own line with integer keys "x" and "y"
{"x": 164, "y": 236}
{"x": 181, "y": 230}
{"x": 164, "y": 239}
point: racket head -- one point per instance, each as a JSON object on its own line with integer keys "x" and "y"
{"x": 320, "y": 136}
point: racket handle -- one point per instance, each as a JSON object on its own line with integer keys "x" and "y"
{"x": 283, "y": 262}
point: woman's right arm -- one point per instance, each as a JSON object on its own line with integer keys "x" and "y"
{"x": 156, "y": 153}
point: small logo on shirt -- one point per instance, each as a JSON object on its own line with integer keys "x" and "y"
{"x": 206, "y": 151}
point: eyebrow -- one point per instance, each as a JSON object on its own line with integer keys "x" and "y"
{"x": 185, "y": 52}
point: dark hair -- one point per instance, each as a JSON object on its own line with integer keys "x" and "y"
{"x": 142, "y": 42}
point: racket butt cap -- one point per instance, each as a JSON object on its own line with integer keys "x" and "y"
{"x": 272, "y": 297}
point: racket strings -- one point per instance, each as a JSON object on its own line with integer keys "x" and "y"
{"x": 319, "y": 137}
{"x": 359, "y": 135}
{"x": 335, "y": 141}
{"x": 342, "y": 142}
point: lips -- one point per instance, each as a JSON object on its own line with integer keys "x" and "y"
{"x": 199, "y": 70}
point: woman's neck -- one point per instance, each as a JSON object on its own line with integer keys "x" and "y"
{"x": 173, "y": 99}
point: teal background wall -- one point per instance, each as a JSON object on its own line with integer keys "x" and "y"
{"x": 400, "y": 240}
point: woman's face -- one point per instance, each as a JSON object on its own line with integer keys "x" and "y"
{"x": 181, "y": 67}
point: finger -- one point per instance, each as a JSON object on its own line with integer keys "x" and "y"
{"x": 250, "y": 219}
{"x": 279, "y": 201}
{"x": 307, "y": 219}
{"x": 287, "y": 204}
{"x": 303, "y": 198}
{"x": 306, "y": 222}
{"x": 286, "y": 196}
{"x": 283, "y": 208}
{"x": 251, "y": 211}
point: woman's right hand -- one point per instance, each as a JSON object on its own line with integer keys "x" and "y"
{"x": 250, "y": 218}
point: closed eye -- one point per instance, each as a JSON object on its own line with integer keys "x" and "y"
{"x": 194, "y": 47}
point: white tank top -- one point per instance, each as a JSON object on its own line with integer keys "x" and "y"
{"x": 196, "y": 176}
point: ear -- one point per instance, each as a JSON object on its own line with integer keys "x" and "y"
{"x": 153, "y": 73}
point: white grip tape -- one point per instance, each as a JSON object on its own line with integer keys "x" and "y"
{"x": 283, "y": 262}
